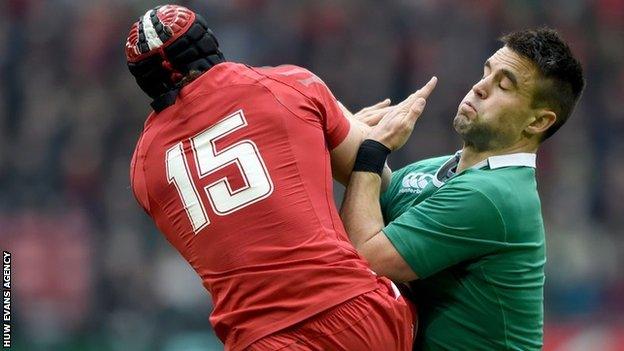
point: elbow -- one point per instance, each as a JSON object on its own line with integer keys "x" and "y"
{"x": 377, "y": 263}
{"x": 390, "y": 273}
{"x": 386, "y": 263}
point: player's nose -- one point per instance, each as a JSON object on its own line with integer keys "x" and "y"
{"x": 480, "y": 89}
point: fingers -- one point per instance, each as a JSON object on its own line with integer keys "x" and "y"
{"x": 416, "y": 110}
{"x": 372, "y": 117}
{"x": 376, "y": 114}
{"x": 378, "y": 105}
{"x": 397, "y": 125}
{"x": 406, "y": 111}
{"x": 373, "y": 120}
{"x": 425, "y": 91}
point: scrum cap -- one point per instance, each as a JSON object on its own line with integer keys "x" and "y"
{"x": 164, "y": 45}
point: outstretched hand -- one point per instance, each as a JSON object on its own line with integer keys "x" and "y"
{"x": 370, "y": 115}
{"x": 396, "y": 126}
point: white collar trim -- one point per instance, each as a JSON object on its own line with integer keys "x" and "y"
{"x": 521, "y": 159}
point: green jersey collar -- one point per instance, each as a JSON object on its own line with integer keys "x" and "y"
{"x": 521, "y": 159}
{"x": 448, "y": 169}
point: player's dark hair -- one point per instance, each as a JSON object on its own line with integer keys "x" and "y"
{"x": 562, "y": 83}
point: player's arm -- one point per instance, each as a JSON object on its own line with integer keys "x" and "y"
{"x": 343, "y": 155}
{"x": 345, "y": 132}
{"x": 361, "y": 215}
{"x": 361, "y": 212}
{"x": 362, "y": 122}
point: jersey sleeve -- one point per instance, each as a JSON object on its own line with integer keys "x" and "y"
{"x": 335, "y": 124}
{"x": 454, "y": 225}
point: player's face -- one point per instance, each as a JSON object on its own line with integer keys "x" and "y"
{"x": 497, "y": 109}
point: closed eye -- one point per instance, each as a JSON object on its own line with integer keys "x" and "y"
{"x": 506, "y": 84}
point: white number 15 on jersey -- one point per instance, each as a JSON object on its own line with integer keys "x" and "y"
{"x": 222, "y": 198}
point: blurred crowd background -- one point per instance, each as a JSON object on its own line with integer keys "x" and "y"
{"x": 90, "y": 272}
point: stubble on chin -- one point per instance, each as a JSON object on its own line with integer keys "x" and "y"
{"x": 461, "y": 124}
{"x": 477, "y": 136}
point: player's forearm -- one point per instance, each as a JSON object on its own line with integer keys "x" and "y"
{"x": 363, "y": 220}
{"x": 361, "y": 212}
{"x": 343, "y": 156}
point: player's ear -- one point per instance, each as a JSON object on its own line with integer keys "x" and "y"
{"x": 543, "y": 118}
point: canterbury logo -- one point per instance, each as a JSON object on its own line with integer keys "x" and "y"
{"x": 415, "y": 182}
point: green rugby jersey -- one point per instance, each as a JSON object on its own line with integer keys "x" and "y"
{"x": 476, "y": 241}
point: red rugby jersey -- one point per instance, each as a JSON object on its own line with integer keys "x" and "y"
{"x": 237, "y": 176}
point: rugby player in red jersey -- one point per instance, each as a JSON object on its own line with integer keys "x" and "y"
{"x": 234, "y": 167}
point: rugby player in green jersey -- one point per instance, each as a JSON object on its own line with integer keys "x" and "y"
{"x": 466, "y": 230}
